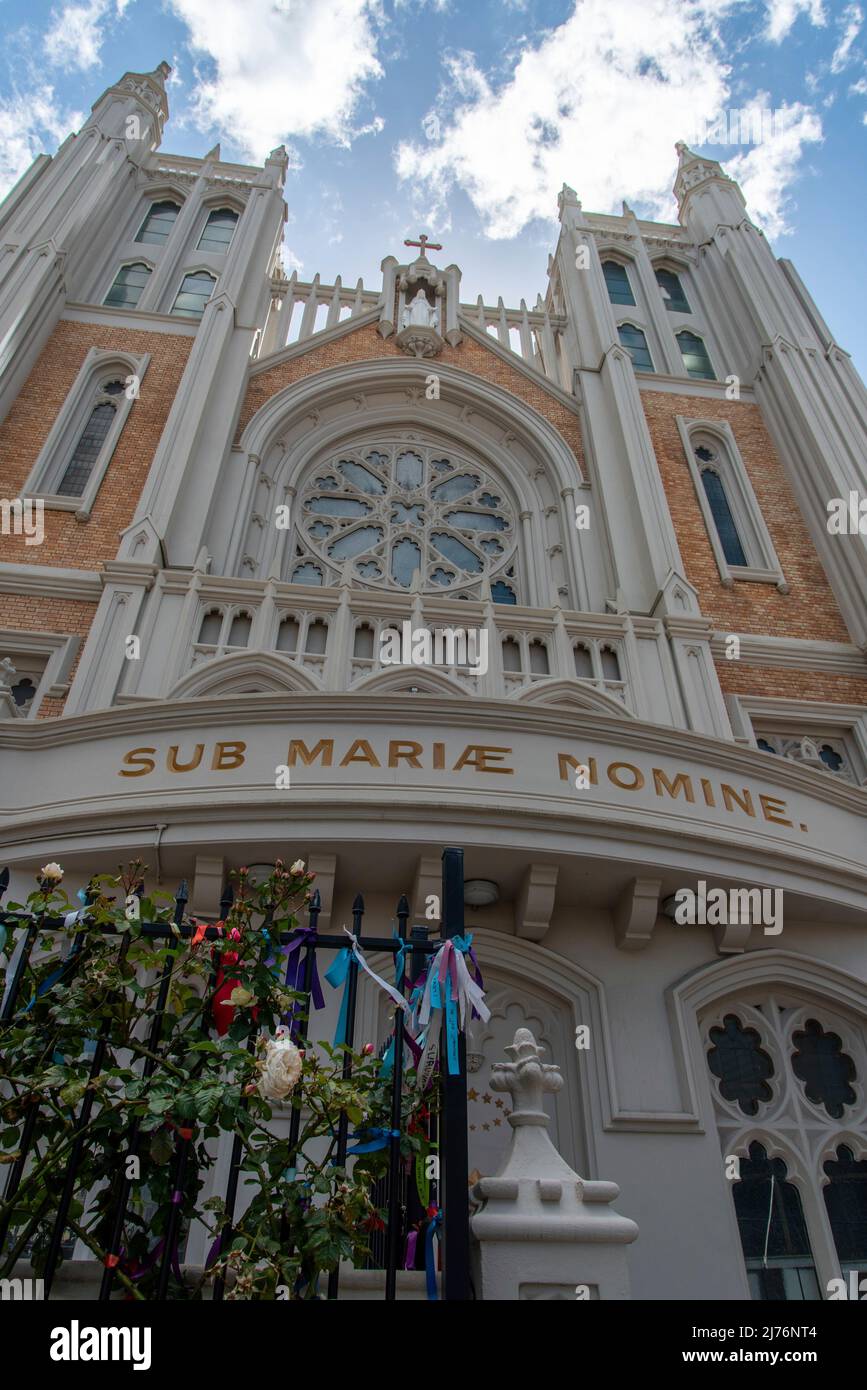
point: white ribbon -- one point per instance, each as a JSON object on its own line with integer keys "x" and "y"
{"x": 470, "y": 995}
{"x": 377, "y": 979}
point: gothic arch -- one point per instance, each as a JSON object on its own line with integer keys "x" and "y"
{"x": 244, "y": 673}
{"x": 525, "y": 454}
{"x": 397, "y": 678}
{"x": 568, "y": 694}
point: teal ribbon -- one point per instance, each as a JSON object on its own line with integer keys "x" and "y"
{"x": 379, "y": 1138}
{"x": 429, "y": 1260}
{"x": 399, "y": 960}
{"x": 336, "y": 975}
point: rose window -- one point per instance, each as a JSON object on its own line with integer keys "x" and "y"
{"x": 393, "y": 511}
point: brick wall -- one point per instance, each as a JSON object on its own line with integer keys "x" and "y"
{"x": 33, "y": 613}
{"x": 809, "y": 610}
{"x": 365, "y": 344}
{"x": 69, "y": 543}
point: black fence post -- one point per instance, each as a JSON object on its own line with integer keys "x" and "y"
{"x": 453, "y": 1143}
{"x": 343, "y": 1123}
{"x": 394, "y": 1221}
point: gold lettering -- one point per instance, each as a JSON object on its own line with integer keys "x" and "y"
{"x": 729, "y": 795}
{"x": 708, "y": 792}
{"x": 478, "y": 755}
{"x": 771, "y": 804}
{"x": 404, "y": 748}
{"x": 680, "y": 783}
{"x": 136, "y": 758}
{"x": 439, "y": 755}
{"x": 299, "y": 749}
{"x": 228, "y": 755}
{"x": 626, "y": 786}
{"x": 172, "y": 760}
{"x": 364, "y": 755}
{"x": 565, "y": 761}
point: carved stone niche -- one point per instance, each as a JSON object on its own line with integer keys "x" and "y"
{"x": 421, "y": 309}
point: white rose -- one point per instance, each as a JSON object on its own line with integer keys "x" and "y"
{"x": 51, "y": 871}
{"x": 297, "y": 867}
{"x": 280, "y": 1067}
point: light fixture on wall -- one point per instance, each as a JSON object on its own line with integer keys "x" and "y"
{"x": 481, "y": 892}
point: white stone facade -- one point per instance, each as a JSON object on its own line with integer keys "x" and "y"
{"x": 600, "y": 657}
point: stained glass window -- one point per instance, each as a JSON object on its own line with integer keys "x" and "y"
{"x": 635, "y": 342}
{"x": 824, "y": 1068}
{"x": 742, "y": 1067}
{"x": 617, "y": 280}
{"x": 723, "y": 516}
{"x": 90, "y": 443}
{"x": 695, "y": 356}
{"x": 129, "y": 282}
{"x": 194, "y": 294}
{"x": 219, "y": 230}
{"x": 672, "y": 292}
{"x": 158, "y": 223}
{"x": 773, "y": 1231}
{"x": 846, "y": 1203}
{"x": 403, "y": 513}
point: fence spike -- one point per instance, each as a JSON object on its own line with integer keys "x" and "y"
{"x": 403, "y": 906}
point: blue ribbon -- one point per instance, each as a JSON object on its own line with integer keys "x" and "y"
{"x": 429, "y": 1260}
{"x": 379, "y": 1139}
{"x": 45, "y": 987}
{"x": 337, "y": 974}
{"x": 399, "y": 960}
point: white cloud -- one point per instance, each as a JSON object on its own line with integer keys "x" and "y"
{"x": 76, "y": 33}
{"x": 852, "y": 17}
{"x": 598, "y": 103}
{"x": 31, "y": 123}
{"x": 783, "y": 13}
{"x": 282, "y": 68}
{"x": 766, "y": 173}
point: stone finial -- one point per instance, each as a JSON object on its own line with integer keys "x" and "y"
{"x": 527, "y": 1078}
{"x": 538, "y": 1223}
{"x": 213, "y": 155}
{"x": 161, "y": 72}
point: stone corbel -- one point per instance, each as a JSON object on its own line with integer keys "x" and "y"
{"x": 636, "y": 913}
{"x": 208, "y": 884}
{"x": 324, "y": 866}
{"x": 535, "y": 902}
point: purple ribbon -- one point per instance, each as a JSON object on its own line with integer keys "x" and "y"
{"x": 411, "y": 1243}
{"x": 295, "y": 963}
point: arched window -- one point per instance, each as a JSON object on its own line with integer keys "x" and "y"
{"x": 511, "y": 655}
{"x": 672, "y": 291}
{"x": 773, "y": 1231}
{"x": 211, "y": 628}
{"x": 538, "y": 658}
{"x": 401, "y": 513}
{"x": 610, "y": 664}
{"x": 196, "y": 289}
{"x": 317, "y": 638}
{"x": 695, "y": 356}
{"x": 239, "y": 632}
{"x": 219, "y": 230}
{"x": 583, "y": 662}
{"x": 158, "y": 223}
{"x": 617, "y": 280}
{"x": 287, "y": 635}
{"x": 740, "y": 1065}
{"x": 720, "y": 510}
{"x": 846, "y": 1204}
{"x": 635, "y": 342}
{"x": 129, "y": 282}
{"x": 90, "y": 442}
{"x": 362, "y": 645}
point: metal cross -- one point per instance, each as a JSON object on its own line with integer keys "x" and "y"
{"x": 423, "y": 243}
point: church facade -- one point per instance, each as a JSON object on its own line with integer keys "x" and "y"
{"x": 352, "y": 573}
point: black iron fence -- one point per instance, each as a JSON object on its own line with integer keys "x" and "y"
{"x": 450, "y": 1184}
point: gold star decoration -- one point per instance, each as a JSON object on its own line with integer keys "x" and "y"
{"x": 487, "y": 1098}
{"x": 499, "y": 1103}
{"x": 486, "y": 1126}
{"x": 498, "y": 1121}
{"x": 472, "y": 1126}
{"x": 472, "y": 1094}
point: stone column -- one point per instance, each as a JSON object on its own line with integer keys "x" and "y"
{"x": 543, "y": 1232}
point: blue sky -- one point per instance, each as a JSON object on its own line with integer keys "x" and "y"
{"x": 463, "y": 118}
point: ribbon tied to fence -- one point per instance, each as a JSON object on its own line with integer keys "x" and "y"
{"x": 338, "y": 972}
{"x": 450, "y": 989}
